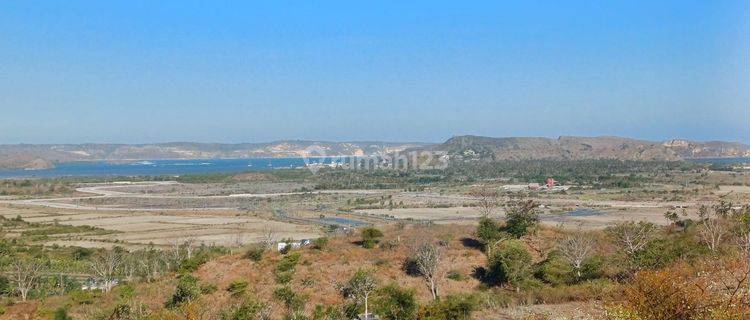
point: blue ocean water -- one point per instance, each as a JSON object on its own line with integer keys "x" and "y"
{"x": 159, "y": 167}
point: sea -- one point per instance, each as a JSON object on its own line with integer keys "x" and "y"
{"x": 161, "y": 167}
{"x": 200, "y": 166}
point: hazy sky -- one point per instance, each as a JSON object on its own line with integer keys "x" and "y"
{"x": 244, "y": 71}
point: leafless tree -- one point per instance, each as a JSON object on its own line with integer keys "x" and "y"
{"x": 714, "y": 225}
{"x": 743, "y": 242}
{"x": 576, "y": 248}
{"x": 632, "y": 236}
{"x": 25, "y": 275}
{"x": 150, "y": 264}
{"x": 189, "y": 244}
{"x": 427, "y": 258}
{"x": 268, "y": 239}
{"x": 106, "y": 267}
{"x": 239, "y": 238}
{"x": 487, "y": 201}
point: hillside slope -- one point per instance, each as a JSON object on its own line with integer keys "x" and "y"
{"x": 574, "y": 148}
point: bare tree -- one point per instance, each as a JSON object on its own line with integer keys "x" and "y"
{"x": 268, "y": 239}
{"x": 150, "y": 264}
{"x": 106, "y": 267}
{"x": 487, "y": 201}
{"x": 427, "y": 257}
{"x": 25, "y": 275}
{"x": 743, "y": 242}
{"x": 632, "y": 236}
{"x": 189, "y": 245}
{"x": 576, "y": 248}
{"x": 714, "y": 225}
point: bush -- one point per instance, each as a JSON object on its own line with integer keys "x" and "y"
{"x": 370, "y": 237}
{"x": 289, "y": 262}
{"x": 320, "y": 243}
{"x": 247, "y": 310}
{"x": 208, "y": 288}
{"x": 291, "y": 300}
{"x": 585, "y": 291}
{"x": 660, "y": 253}
{"x": 237, "y": 287}
{"x": 285, "y": 269}
{"x": 187, "y": 290}
{"x": 555, "y": 271}
{"x": 62, "y": 314}
{"x": 488, "y": 231}
{"x": 592, "y": 268}
{"x": 509, "y": 263}
{"x": 192, "y": 264}
{"x": 284, "y": 277}
{"x": 449, "y": 308}
{"x": 255, "y": 253}
{"x": 327, "y": 313}
{"x": 455, "y": 275}
{"x": 394, "y": 303}
{"x": 81, "y": 297}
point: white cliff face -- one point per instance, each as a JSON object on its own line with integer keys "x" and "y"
{"x": 676, "y": 143}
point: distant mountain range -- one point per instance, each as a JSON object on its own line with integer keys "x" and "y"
{"x": 575, "y": 148}
{"x": 29, "y": 156}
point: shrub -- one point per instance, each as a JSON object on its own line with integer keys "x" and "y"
{"x": 712, "y": 289}
{"x": 555, "y": 271}
{"x": 284, "y": 277}
{"x": 449, "y": 308}
{"x": 247, "y": 310}
{"x": 255, "y": 253}
{"x": 488, "y": 231}
{"x": 289, "y": 262}
{"x": 370, "y": 237}
{"x": 291, "y": 300}
{"x": 320, "y": 243}
{"x": 208, "y": 288}
{"x": 187, "y": 290}
{"x": 237, "y": 287}
{"x": 393, "y": 303}
{"x": 660, "y": 253}
{"x": 121, "y": 311}
{"x": 192, "y": 264}
{"x": 82, "y": 297}
{"x": 592, "y": 268}
{"x": 588, "y": 290}
{"x": 510, "y": 263}
{"x": 455, "y": 275}
{"x": 62, "y": 314}
{"x": 327, "y": 313}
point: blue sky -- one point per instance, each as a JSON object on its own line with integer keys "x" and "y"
{"x": 251, "y": 71}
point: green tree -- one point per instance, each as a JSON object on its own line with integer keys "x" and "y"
{"x": 510, "y": 263}
{"x": 521, "y": 217}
